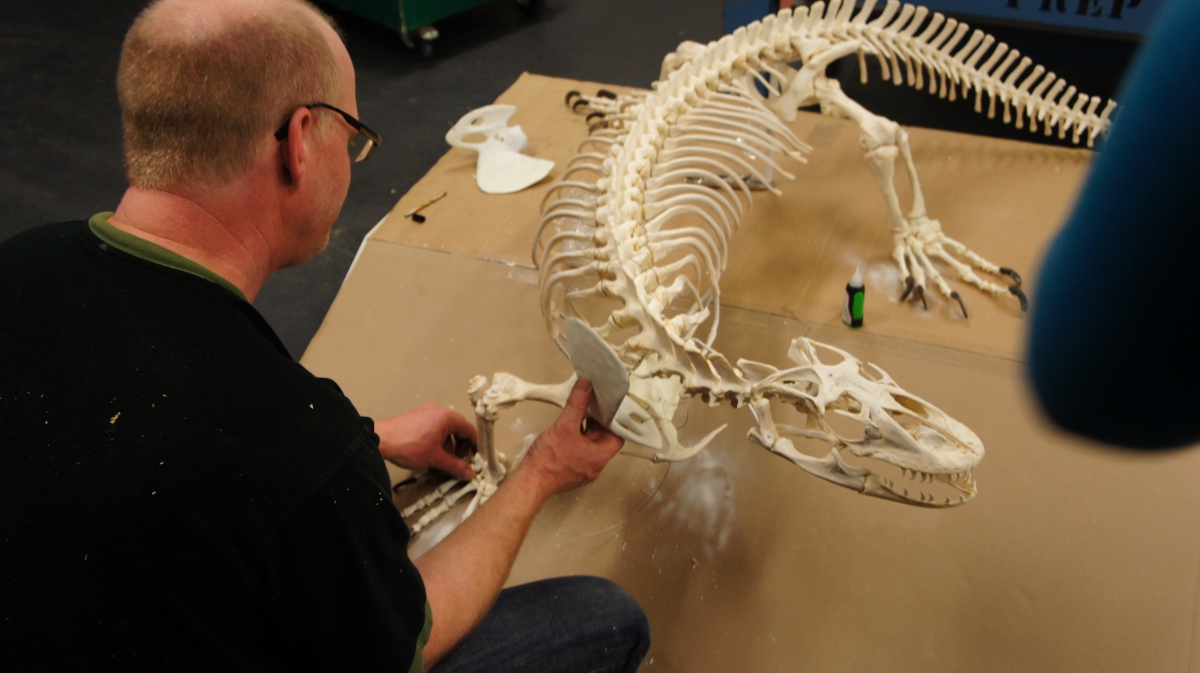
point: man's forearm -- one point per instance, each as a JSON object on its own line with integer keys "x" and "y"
{"x": 464, "y": 573}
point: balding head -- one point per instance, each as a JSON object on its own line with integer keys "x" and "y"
{"x": 203, "y": 83}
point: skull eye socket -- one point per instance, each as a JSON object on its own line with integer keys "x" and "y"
{"x": 850, "y": 404}
{"x": 871, "y": 372}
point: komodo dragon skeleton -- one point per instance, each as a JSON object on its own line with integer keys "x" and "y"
{"x": 651, "y": 232}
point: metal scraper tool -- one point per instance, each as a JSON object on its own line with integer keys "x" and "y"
{"x": 595, "y": 360}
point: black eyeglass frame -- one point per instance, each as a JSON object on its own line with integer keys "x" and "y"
{"x": 373, "y": 138}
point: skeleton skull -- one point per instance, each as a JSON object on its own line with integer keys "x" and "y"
{"x": 897, "y": 429}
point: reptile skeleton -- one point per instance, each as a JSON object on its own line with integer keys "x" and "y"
{"x": 674, "y": 170}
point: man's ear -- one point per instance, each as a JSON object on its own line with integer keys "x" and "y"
{"x": 293, "y": 150}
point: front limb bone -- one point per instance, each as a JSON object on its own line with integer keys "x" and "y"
{"x": 505, "y": 391}
{"x": 918, "y": 239}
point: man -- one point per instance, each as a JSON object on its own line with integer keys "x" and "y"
{"x": 175, "y": 491}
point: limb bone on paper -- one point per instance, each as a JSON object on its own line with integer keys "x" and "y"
{"x": 643, "y": 213}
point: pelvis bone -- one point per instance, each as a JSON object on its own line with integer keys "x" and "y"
{"x": 500, "y": 168}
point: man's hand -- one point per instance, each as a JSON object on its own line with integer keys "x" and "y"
{"x": 463, "y": 574}
{"x": 564, "y": 456}
{"x": 420, "y": 440}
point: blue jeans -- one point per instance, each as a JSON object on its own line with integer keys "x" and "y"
{"x": 560, "y": 625}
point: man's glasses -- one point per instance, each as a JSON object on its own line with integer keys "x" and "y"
{"x": 361, "y": 145}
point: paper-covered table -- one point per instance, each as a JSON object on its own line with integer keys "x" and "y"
{"x": 1072, "y": 557}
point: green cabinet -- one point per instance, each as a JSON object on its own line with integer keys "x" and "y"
{"x": 405, "y": 15}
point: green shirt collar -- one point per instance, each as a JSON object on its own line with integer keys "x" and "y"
{"x": 152, "y": 252}
{"x": 418, "y": 662}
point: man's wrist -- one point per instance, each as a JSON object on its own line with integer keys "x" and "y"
{"x": 531, "y": 478}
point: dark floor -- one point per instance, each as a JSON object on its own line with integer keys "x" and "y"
{"x": 60, "y": 133}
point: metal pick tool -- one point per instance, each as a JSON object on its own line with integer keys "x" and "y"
{"x": 415, "y": 213}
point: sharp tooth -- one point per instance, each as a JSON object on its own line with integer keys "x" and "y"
{"x": 906, "y": 492}
{"x": 903, "y": 472}
{"x": 962, "y": 498}
{"x": 947, "y": 500}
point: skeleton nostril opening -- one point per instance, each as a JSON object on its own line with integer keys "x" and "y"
{"x": 911, "y": 404}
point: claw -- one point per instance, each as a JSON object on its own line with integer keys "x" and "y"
{"x": 1011, "y": 274}
{"x": 580, "y": 101}
{"x": 605, "y": 93}
{"x": 602, "y": 124}
{"x": 1020, "y": 296}
{"x": 595, "y": 114}
{"x": 921, "y": 294}
{"x": 908, "y": 287}
{"x": 572, "y": 93}
{"x": 961, "y": 305}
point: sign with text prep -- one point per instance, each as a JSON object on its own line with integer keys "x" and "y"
{"x": 1127, "y": 17}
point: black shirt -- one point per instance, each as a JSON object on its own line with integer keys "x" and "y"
{"x": 176, "y": 492}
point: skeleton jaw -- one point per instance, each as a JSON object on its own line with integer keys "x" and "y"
{"x": 835, "y": 469}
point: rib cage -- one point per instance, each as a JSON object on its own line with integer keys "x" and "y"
{"x": 693, "y": 129}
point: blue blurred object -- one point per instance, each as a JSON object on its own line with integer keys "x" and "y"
{"x": 737, "y": 13}
{"x": 1113, "y": 349}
